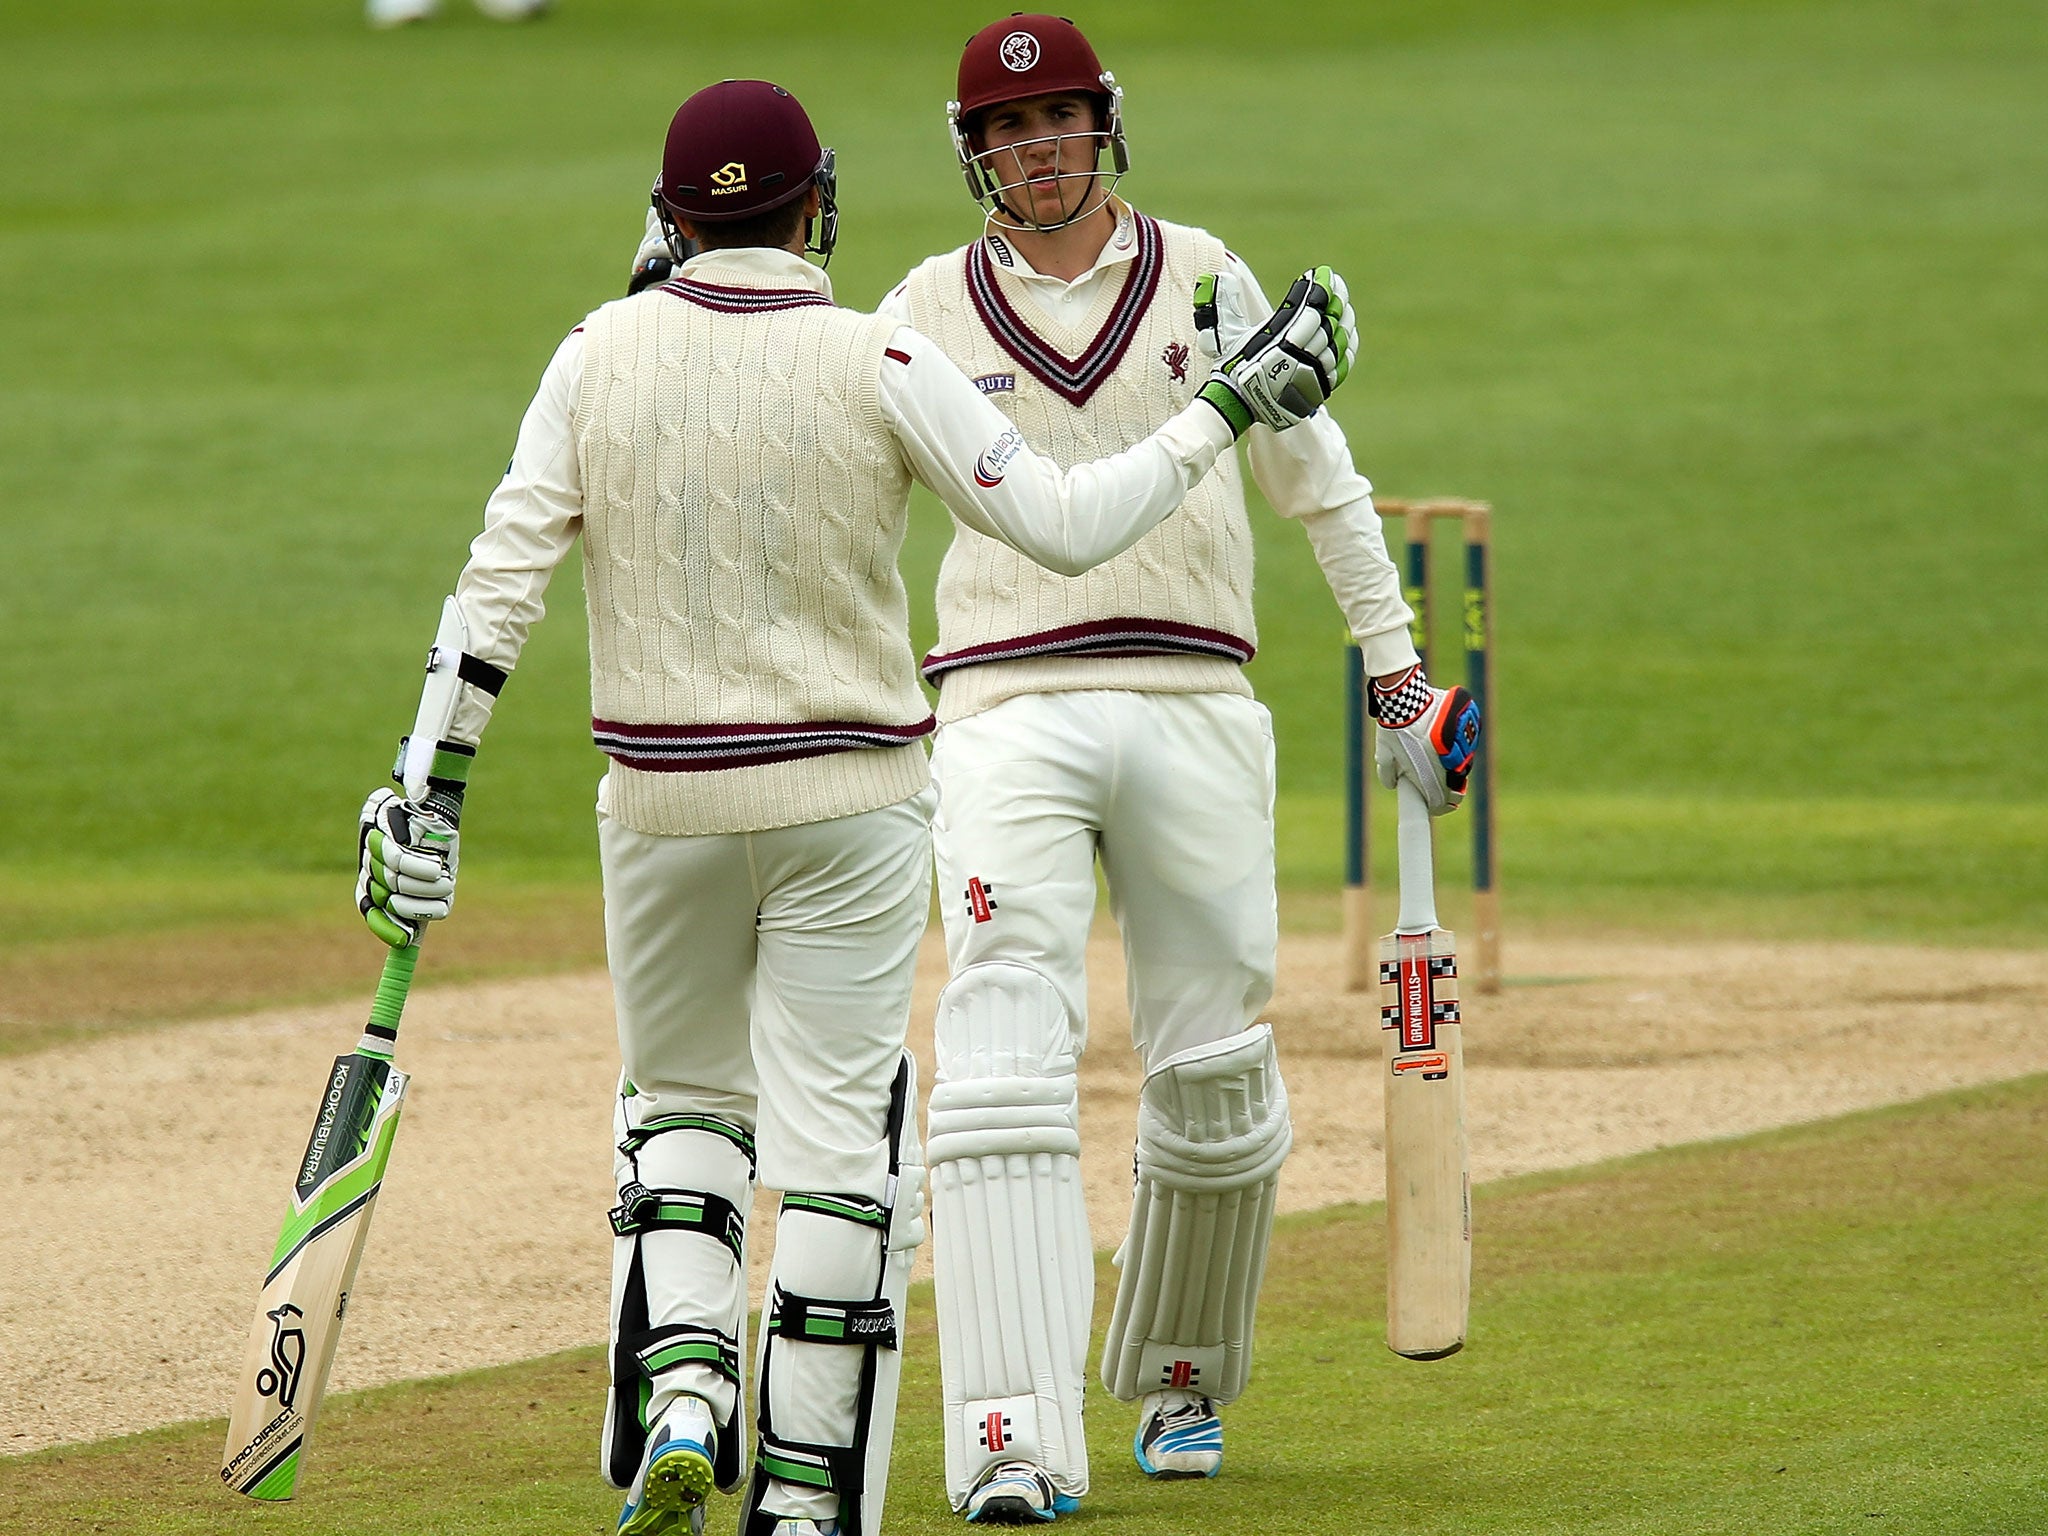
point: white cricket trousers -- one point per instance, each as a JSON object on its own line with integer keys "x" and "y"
{"x": 1174, "y": 791}
{"x": 765, "y": 977}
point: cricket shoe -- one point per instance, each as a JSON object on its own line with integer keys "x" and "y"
{"x": 668, "y": 1493}
{"x": 1016, "y": 1493}
{"x": 1178, "y": 1435}
{"x": 789, "y": 1525}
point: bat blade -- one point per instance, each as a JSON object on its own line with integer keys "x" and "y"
{"x": 1429, "y": 1188}
{"x": 312, "y": 1270}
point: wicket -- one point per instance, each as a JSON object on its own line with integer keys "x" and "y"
{"x": 1361, "y": 955}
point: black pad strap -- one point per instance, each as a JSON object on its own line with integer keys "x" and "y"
{"x": 840, "y": 1467}
{"x": 479, "y": 673}
{"x": 858, "y": 1209}
{"x": 712, "y": 1125}
{"x": 641, "y": 1209}
{"x": 812, "y": 1320}
{"x": 663, "y": 1349}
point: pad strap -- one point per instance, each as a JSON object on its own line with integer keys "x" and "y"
{"x": 809, "y": 1320}
{"x": 641, "y": 1209}
{"x": 854, "y": 1208}
{"x": 663, "y": 1349}
{"x": 836, "y": 1467}
{"x": 709, "y": 1124}
{"x": 478, "y": 673}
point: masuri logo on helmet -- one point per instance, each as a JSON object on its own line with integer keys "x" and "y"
{"x": 723, "y": 133}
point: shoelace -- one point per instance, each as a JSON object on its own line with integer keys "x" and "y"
{"x": 1184, "y": 1414}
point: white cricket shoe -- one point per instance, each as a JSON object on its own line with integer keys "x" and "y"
{"x": 789, "y": 1525}
{"x": 397, "y": 13}
{"x": 675, "y": 1476}
{"x": 1178, "y": 1435}
{"x": 1016, "y": 1493}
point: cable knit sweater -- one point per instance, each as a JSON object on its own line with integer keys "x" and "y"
{"x": 1174, "y": 612}
{"x": 744, "y": 502}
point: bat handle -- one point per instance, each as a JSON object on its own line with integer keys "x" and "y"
{"x": 389, "y": 1004}
{"x": 1418, "y": 864}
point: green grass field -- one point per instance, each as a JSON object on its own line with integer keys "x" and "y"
{"x": 1733, "y": 307}
{"x": 1827, "y": 1329}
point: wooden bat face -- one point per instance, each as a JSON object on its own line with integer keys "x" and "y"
{"x": 1429, "y": 1199}
{"x": 298, "y": 1318}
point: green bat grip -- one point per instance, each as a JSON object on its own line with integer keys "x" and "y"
{"x": 392, "y": 987}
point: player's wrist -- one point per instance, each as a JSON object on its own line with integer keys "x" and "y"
{"x": 1228, "y": 404}
{"x": 1400, "y": 698}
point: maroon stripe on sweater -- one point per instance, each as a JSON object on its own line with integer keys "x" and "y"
{"x": 1098, "y": 637}
{"x": 1073, "y": 379}
{"x": 741, "y": 301}
{"x": 660, "y": 748}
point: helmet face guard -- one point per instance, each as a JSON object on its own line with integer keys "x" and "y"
{"x": 992, "y": 172}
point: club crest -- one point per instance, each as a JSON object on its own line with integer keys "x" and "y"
{"x": 1176, "y": 359}
{"x": 1019, "y": 52}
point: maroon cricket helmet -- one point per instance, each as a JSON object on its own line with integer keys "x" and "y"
{"x": 1027, "y": 55}
{"x": 739, "y": 149}
{"x": 1023, "y": 56}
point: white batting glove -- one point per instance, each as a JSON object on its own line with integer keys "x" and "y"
{"x": 655, "y": 261}
{"x": 1426, "y": 734}
{"x": 1223, "y": 321}
{"x": 1287, "y": 368}
{"x": 406, "y": 862}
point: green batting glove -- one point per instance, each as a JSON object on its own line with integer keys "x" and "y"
{"x": 1287, "y": 368}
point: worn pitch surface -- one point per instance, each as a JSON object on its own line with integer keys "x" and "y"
{"x": 490, "y": 1243}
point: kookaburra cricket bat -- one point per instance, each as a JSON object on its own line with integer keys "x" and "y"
{"x": 1429, "y": 1190}
{"x": 313, "y": 1268}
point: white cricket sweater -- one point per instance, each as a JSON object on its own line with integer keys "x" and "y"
{"x": 1037, "y": 359}
{"x": 750, "y": 658}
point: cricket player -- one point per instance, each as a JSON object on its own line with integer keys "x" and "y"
{"x": 1104, "y": 715}
{"x": 736, "y": 452}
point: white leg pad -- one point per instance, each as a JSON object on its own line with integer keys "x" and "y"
{"x": 1014, "y": 1264}
{"x": 679, "y": 1285}
{"x": 830, "y": 1361}
{"x": 1212, "y": 1134}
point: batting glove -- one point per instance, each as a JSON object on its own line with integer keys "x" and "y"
{"x": 1428, "y": 734}
{"x": 1223, "y": 321}
{"x": 1290, "y": 365}
{"x": 406, "y": 861}
{"x": 656, "y": 260}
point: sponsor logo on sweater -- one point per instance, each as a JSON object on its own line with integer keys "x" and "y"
{"x": 997, "y": 457}
{"x": 988, "y": 384}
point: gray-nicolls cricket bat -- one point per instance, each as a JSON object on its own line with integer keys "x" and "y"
{"x": 1429, "y": 1188}
{"x": 313, "y": 1268}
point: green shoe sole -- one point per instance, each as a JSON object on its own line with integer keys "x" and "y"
{"x": 677, "y": 1482}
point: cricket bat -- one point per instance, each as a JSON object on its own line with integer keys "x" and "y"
{"x": 313, "y": 1268}
{"x": 1429, "y": 1188}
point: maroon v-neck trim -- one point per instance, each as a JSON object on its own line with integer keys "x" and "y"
{"x": 1073, "y": 379}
